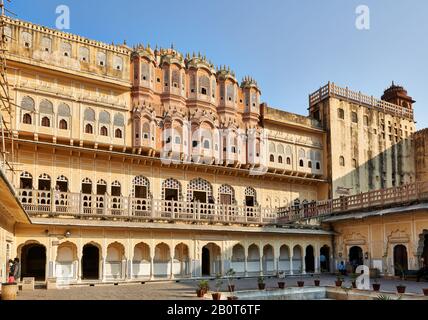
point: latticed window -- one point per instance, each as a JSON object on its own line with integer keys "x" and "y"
{"x": 27, "y": 39}
{"x": 84, "y": 54}
{"x": 302, "y": 153}
{"x": 145, "y": 72}
{"x": 101, "y": 59}
{"x": 204, "y": 85}
{"x": 46, "y": 44}
{"x": 272, "y": 147}
{"x": 64, "y": 110}
{"x": 66, "y": 49}
{"x": 118, "y": 63}
{"x": 340, "y": 113}
{"x": 104, "y": 131}
{"x": 104, "y": 117}
{"x": 119, "y": 120}
{"x": 175, "y": 78}
{"x": 280, "y": 149}
{"x": 226, "y": 194}
{"x": 46, "y": 107}
{"x": 198, "y": 185}
{"x": 171, "y": 190}
{"x": 250, "y": 191}
{"x": 288, "y": 150}
{"x": 230, "y": 92}
{"x": 27, "y": 103}
{"x": 89, "y": 115}
{"x": 354, "y": 117}
{"x": 140, "y": 187}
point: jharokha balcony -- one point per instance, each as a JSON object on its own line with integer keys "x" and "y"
{"x": 55, "y": 204}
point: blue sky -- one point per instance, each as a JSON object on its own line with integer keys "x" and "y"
{"x": 291, "y": 47}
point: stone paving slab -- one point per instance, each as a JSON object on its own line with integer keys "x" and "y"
{"x": 185, "y": 290}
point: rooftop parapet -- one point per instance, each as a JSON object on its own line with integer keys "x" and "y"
{"x": 332, "y": 90}
{"x": 284, "y": 116}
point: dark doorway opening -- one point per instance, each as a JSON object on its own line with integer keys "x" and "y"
{"x": 425, "y": 251}
{"x": 44, "y": 184}
{"x": 325, "y": 259}
{"x": 171, "y": 194}
{"x": 310, "y": 259}
{"x": 26, "y": 183}
{"x": 86, "y": 188}
{"x": 249, "y": 201}
{"x": 33, "y": 262}
{"x": 62, "y": 185}
{"x": 356, "y": 257}
{"x": 400, "y": 259}
{"x": 200, "y": 196}
{"x": 140, "y": 192}
{"x": 205, "y": 261}
{"x": 115, "y": 191}
{"x": 90, "y": 262}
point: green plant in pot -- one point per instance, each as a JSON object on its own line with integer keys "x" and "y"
{"x": 376, "y": 284}
{"x": 202, "y": 288}
{"x": 281, "y": 277}
{"x": 317, "y": 280}
{"x": 261, "y": 283}
{"x": 401, "y": 288}
{"x": 231, "y": 280}
{"x": 218, "y": 284}
{"x": 300, "y": 283}
{"x": 339, "y": 279}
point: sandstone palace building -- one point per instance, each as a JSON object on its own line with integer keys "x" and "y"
{"x": 134, "y": 164}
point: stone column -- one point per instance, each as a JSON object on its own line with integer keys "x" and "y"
{"x": 171, "y": 271}
{"x": 245, "y": 265}
{"x": 291, "y": 265}
{"x": 261, "y": 265}
{"x": 152, "y": 274}
{"x": 304, "y": 265}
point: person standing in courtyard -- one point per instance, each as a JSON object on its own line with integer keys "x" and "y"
{"x": 16, "y": 269}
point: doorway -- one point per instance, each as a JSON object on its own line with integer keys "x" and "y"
{"x": 90, "y": 262}
{"x": 356, "y": 257}
{"x": 205, "y": 261}
{"x": 225, "y": 199}
{"x": 425, "y": 251}
{"x": 200, "y": 196}
{"x": 310, "y": 259}
{"x": 171, "y": 194}
{"x": 325, "y": 259}
{"x": 400, "y": 259}
{"x": 33, "y": 261}
{"x": 249, "y": 201}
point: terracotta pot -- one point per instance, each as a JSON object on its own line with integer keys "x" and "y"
{"x": 317, "y": 283}
{"x": 338, "y": 283}
{"x": 216, "y": 296}
{"x": 262, "y": 286}
{"x": 231, "y": 288}
{"x": 401, "y": 289}
{"x": 200, "y": 293}
{"x": 425, "y": 291}
{"x": 281, "y": 285}
{"x": 376, "y": 286}
{"x": 354, "y": 284}
{"x": 232, "y": 298}
{"x": 300, "y": 283}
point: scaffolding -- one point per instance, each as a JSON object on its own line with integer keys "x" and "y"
{"x": 6, "y": 102}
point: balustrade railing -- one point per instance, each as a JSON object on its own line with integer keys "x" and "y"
{"x": 335, "y": 91}
{"x": 370, "y": 200}
{"x": 53, "y": 203}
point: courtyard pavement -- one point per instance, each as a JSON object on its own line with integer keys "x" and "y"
{"x": 185, "y": 289}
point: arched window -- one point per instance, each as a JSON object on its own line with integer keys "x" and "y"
{"x": 46, "y": 107}
{"x": 118, "y": 120}
{"x": 271, "y": 158}
{"x": 288, "y": 160}
{"x": 318, "y": 166}
{"x": 340, "y": 113}
{"x": 101, "y": 59}
{"x": 206, "y": 144}
{"x": 280, "y": 159}
{"x": 140, "y": 187}
{"x": 226, "y": 195}
{"x": 27, "y": 103}
{"x": 104, "y": 117}
{"x": 354, "y": 163}
{"x": 309, "y": 164}
{"x": 63, "y": 124}
{"x": 366, "y": 120}
{"x": 171, "y": 190}
{"x": 341, "y": 161}
{"x": 27, "y": 118}
{"x": 104, "y": 131}
{"x": 272, "y": 147}
{"x": 46, "y": 122}
{"x": 46, "y": 44}
{"x": 199, "y": 190}
{"x": 89, "y": 129}
{"x": 250, "y": 197}
{"x": 118, "y": 133}
{"x": 89, "y": 115}
{"x": 204, "y": 85}
{"x": 64, "y": 110}
{"x": 66, "y": 49}
{"x": 301, "y": 163}
{"x": 118, "y": 63}
{"x": 354, "y": 117}
{"x": 84, "y": 54}
{"x": 26, "y": 39}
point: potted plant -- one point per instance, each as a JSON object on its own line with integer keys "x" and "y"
{"x": 425, "y": 291}
{"x": 317, "y": 281}
{"x": 202, "y": 288}
{"x": 230, "y": 279}
{"x": 354, "y": 277}
{"x": 261, "y": 283}
{"x": 376, "y": 284}
{"x": 339, "y": 280}
{"x": 281, "y": 282}
{"x": 218, "y": 283}
{"x": 401, "y": 288}
{"x": 300, "y": 283}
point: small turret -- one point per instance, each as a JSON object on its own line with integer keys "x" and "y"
{"x": 398, "y": 95}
